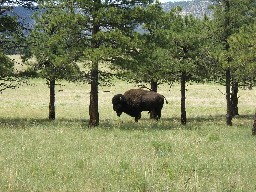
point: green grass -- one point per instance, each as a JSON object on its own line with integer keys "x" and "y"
{"x": 65, "y": 155}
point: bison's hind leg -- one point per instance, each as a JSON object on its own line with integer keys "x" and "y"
{"x": 153, "y": 114}
{"x": 156, "y": 114}
{"x": 159, "y": 114}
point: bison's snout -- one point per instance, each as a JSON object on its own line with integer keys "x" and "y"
{"x": 118, "y": 112}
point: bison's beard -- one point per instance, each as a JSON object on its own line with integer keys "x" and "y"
{"x": 119, "y": 113}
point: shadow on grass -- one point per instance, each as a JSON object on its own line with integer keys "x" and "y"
{"x": 174, "y": 123}
{"x": 24, "y": 123}
{"x": 143, "y": 124}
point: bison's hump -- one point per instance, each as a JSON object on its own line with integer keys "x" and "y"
{"x": 138, "y": 93}
{"x": 138, "y": 97}
{"x": 135, "y": 92}
{"x": 134, "y": 96}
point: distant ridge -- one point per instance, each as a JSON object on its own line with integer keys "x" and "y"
{"x": 197, "y": 8}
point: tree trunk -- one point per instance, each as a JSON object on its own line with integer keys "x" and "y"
{"x": 94, "y": 108}
{"x": 234, "y": 98}
{"x": 183, "y": 98}
{"x": 254, "y": 126}
{"x": 229, "y": 107}
{"x": 52, "y": 100}
{"x": 227, "y": 33}
{"x": 153, "y": 85}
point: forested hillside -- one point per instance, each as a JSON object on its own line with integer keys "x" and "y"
{"x": 197, "y": 8}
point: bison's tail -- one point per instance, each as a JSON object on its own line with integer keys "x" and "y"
{"x": 165, "y": 100}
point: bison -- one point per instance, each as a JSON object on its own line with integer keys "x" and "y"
{"x": 134, "y": 101}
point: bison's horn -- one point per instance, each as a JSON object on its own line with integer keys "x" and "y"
{"x": 120, "y": 98}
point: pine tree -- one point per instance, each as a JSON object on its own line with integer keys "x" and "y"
{"x": 229, "y": 16}
{"x": 186, "y": 37}
{"x": 110, "y": 28}
{"x": 151, "y": 57}
{"x": 242, "y": 49}
{"x": 10, "y": 31}
{"x": 53, "y": 42}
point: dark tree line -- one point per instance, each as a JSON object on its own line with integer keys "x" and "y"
{"x": 11, "y": 39}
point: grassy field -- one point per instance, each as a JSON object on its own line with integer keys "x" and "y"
{"x": 65, "y": 155}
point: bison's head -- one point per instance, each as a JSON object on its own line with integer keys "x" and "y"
{"x": 118, "y": 102}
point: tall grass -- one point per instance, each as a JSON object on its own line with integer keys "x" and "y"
{"x": 65, "y": 155}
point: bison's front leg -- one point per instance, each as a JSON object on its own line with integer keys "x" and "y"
{"x": 137, "y": 117}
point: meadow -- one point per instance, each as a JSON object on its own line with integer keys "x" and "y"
{"x": 120, "y": 155}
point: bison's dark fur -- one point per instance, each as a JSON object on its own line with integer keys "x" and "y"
{"x": 134, "y": 101}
